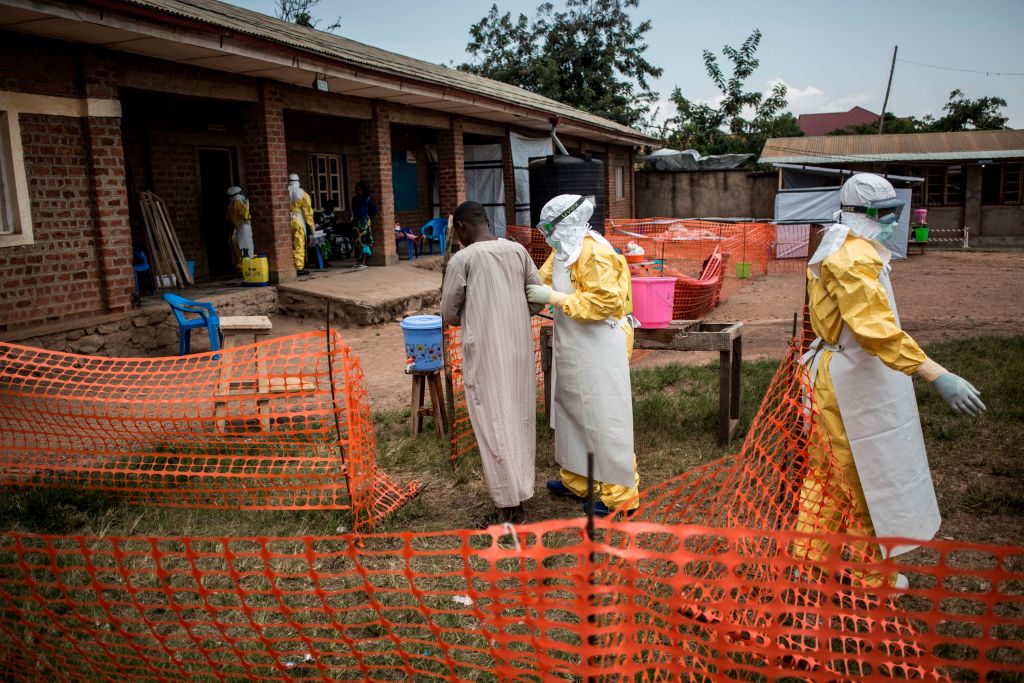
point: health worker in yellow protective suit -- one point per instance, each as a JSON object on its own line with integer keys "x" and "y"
{"x": 860, "y": 367}
{"x": 588, "y": 285}
{"x": 301, "y": 221}
{"x": 238, "y": 215}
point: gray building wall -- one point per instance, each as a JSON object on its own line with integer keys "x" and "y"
{"x": 732, "y": 193}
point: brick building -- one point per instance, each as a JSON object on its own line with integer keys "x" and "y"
{"x": 100, "y": 100}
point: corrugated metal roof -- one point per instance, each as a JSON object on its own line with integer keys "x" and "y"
{"x": 247, "y": 22}
{"x": 965, "y": 145}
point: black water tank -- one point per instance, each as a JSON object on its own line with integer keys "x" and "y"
{"x": 555, "y": 175}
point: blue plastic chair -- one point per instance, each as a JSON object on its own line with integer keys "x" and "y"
{"x": 141, "y": 265}
{"x": 434, "y": 231}
{"x": 183, "y": 308}
{"x": 410, "y": 239}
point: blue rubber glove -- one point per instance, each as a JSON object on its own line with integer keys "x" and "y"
{"x": 960, "y": 394}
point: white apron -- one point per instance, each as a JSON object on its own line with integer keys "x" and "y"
{"x": 879, "y": 411}
{"x": 592, "y": 404}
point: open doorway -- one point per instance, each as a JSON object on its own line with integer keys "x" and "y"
{"x": 218, "y": 170}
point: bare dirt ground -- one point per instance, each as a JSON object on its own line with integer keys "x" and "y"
{"x": 941, "y": 296}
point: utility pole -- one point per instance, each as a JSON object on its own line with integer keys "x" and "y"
{"x": 881, "y": 119}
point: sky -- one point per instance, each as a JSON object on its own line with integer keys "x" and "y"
{"x": 832, "y": 55}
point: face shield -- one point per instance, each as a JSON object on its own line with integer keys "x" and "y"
{"x": 885, "y": 212}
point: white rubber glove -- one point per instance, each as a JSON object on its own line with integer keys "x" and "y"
{"x": 542, "y": 294}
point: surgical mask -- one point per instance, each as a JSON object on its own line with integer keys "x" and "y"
{"x": 887, "y": 225}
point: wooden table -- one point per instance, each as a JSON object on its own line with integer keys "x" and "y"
{"x": 683, "y": 335}
{"x": 242, "y": 330}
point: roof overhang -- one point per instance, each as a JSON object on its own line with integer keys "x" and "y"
{"x": 906, "y": 157}
{"x": 137, "y": 30}
{"x": 819, "y": 170}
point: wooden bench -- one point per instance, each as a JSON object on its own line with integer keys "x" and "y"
{"x": 242, "y": 330}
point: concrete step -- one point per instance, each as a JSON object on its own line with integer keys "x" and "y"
{"x": 372, "y": 296}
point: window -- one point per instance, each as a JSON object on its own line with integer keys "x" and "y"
{"x": 944, "y": 185}
{"x": 916, "y": 189}
{"x": 15, "y": 214}
{"x": 1000, "y": 183}
{"x": 620, "y": 191}
{"x": 328, "y": 180}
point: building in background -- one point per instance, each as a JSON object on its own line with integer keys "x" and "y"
{"x": 102, "y": 100}
{"x": 823, "y": 124}
{"x": 971, "y": 178}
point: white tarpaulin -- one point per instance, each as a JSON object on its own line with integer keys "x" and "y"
{"x": 485, "y": 182}
{"x": 819, "y": 205}
{"x": 524, "y": 149}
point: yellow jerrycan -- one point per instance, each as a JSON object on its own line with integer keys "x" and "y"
{"x": 255, "y": 271}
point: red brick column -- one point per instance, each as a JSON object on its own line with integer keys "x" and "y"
{"x": 265, "y": 179}
{"x": 107, "y": 188}
{"x": 508, "y": 174}
{"x": 451, "y": 167}
{"x": 375, "y": 171}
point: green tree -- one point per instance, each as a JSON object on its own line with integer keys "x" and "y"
{"x": 893, "y": 124}
{"x": 963, "y": 113}
{"x": 589, "y": 56}
{"x": 300, "y": 12}
{"x": 743, "y": 119}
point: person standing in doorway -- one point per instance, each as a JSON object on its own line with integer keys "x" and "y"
{"x": 238, "y": 215}
{"x": 363, "y": 211}
{"x": 484, "y": 293}
{"x": 301, "y": 221}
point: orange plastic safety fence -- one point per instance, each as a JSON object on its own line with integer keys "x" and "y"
{"x": 714, "y": 579}
{"x": 532, "y": 239}
{"x": 465, "y": 605}
{"x": 283, "y": 424}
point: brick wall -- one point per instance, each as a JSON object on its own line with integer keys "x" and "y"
{"x": 375, "y": 169}
{"x": 265, "y": 160}
{"x": 38, "y": 66}
{"x": 58, "y": 276}
{"x": 622, "y": 157}
{"x": 175, "y": 182}
{"x": 451, "y": 167}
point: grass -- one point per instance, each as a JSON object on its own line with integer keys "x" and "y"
{"x": 975, "y": 462}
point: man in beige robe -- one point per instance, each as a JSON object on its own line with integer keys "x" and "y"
{"x": 484, "y": 292}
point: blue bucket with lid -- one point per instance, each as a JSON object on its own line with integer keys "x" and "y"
{"x": 423, "y": 338}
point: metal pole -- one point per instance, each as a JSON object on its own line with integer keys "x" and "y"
{"x": 881, "y": 120}
{"x": 590, "y": 497}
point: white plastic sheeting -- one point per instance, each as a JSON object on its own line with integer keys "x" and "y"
{"x": 485, "y": 182}
{"x": 691, "y": 160}
{"x": 819, "y": 206}
{"x": 524, "y": 149}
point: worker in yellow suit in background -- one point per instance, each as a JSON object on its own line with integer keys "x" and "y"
{"x": 238, "y": 215}
{"x": 301, "y": 210}
{"x": 859, "y": 368}
{"x": 588, "y": 285}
